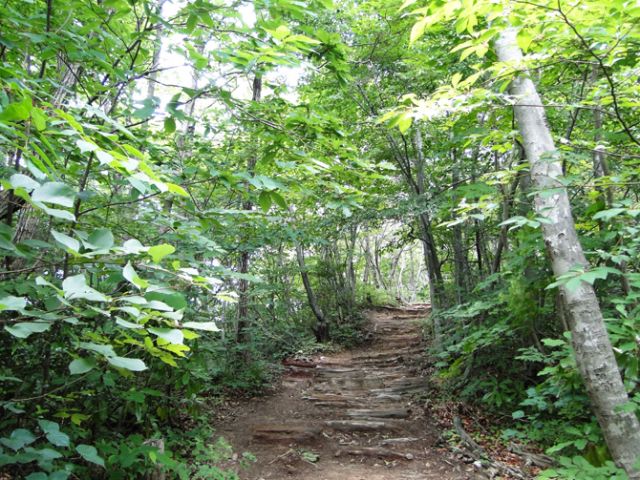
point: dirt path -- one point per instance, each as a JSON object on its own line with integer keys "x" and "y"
{"x": 349, "y": 416}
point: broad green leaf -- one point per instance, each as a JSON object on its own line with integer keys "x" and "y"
{"x": 54, "y": 192}
{"x": 130, "y": 275}
{"x": 133, "y": 246}
{"x": 169, "y": 125}
{"x": 132, "y": 364}
{"x": 37, "y": 476}
{"x": 39, "y": 119}
{"x": 22, "y": 181}
{"x": 264, "y": 200}
{"x": 206, "y": 326}
{"x": 18, "y": 111}
{"x": 24, "y": 329}
{"x": 171, "y": 335}
{"x": 81, "y": 365}
{"x": 53, "y": 433}
{"x": 76, "y": 288}
{"x": 54, "y": 212}
{"x": 85, "y": 146}
{"x": 158, "y": 252}
{"x": 66, "y": 241}
{"x": 101, "y": 239}
{"x": 13, "y": 303}
{"x": 175, "y": 300}
{"x": 279, "y": 200}
{"x": 177, "y": 189}
{"x": 90, "y": 454}
{"x": 607, "y": 215}
{"x": 417, "y": 30}
{"x": 18, "y": 439}
{"x": 106, "y": 350}
{"x": 126, "y": 324}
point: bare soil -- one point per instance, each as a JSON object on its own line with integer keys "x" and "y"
{"x": 349, "y": 416}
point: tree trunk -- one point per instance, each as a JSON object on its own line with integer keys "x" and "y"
{"x": 436, "y": 284}
{"x": 321, "y": 329}
{"x": 593, "y": 351}
{"x": 459, "y": 254}
{"x": 242, "y": 329}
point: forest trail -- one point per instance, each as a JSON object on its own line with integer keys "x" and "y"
{"x": 349, "y": 416}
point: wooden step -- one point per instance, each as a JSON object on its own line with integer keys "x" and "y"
{"x": 379, "y": 413}
{"x": 376, "y": 452}
{"x": 275, "y": 432}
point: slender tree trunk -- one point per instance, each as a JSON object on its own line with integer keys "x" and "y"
{"x": 351, "y": 270}
{"x": 321, "y": 329}
{"x": 459, "y": 255}
{"x": 436, "y": 283}
{"x": 600, "y": 161}
{"x": 593, "y": 351}
{"x": 242, "y": 329}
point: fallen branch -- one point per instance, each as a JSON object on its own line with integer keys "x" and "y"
{"x": 476, "y": 451}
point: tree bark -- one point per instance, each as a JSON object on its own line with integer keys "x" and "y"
{"x": 321, "y": 329}
{"x": 436, "y": 283}
{"x": 242, "y": 328}
{"x": 593, "y": 351}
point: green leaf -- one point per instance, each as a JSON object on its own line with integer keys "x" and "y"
{"x": 130, "y": 275}
{"x": 54, "y": 192}
{"x": 177, "y": 189}
{"x": 81, "y": 365}
{"x": 418, "y": 30}
{"x": 158, "y": 252}
{"x": 133, "y": 246}
{"x": 39, "y": 119}
{"x": 279, "y": 200}
{"x": 101, "y": 239}
{"x": 19, "y": 438}
{"x": 206, "y": 326}
{"x": 607, "y": 215}
{"x": 24, "y": 329}
{"x": 54, "y": 212}
{"x": 132, "y": 364}
{"x": 37, "y": 476}
{"x": 22, "y": 181}
{"x": 66, "y": 241}
{"x": 13, "y": 303}
{"x": 53, "y": 433}
{"x": 169, "y": 125}
{"x": 76, "y": 288}
{"x": 18, "y": 111}
{"x": 90, "y": 454}
{"x": 85, "y": 146}
{"x": 404, "y": 122}
{"x": 171, "y": 335}
{"x": 106, "y": 350}
{"x": 264, "y": 200}
{"x": 174, "y": 299}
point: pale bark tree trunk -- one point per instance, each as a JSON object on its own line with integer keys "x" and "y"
{"x": 321, "y": 329}
{"x": 351, "y": 270}
{"x": 593, "y": 351}
{"x": 436, "y": 284}
{"x": 459, "y": 254}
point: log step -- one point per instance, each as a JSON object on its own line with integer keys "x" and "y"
{"x": 285, "y": 432}
{"x": 376, "y": 452}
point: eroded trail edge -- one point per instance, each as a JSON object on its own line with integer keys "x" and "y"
{"x": 349, "y": 416}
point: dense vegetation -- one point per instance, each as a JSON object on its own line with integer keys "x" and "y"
{"x": 191, "y": 190}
